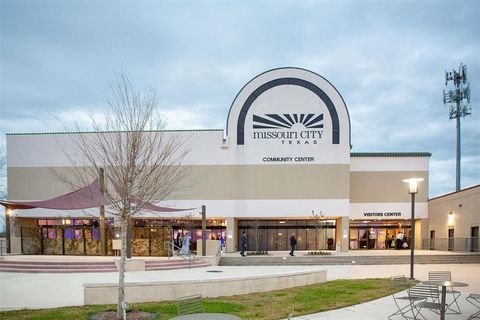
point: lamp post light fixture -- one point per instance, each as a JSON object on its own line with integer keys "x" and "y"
{"x": 412, "y": 189}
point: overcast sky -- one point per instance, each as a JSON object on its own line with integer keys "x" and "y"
{"x": 386, "y": 58}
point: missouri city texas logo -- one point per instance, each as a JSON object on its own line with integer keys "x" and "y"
{"x": 281, "y": 127}
{"x": 272, "y": 121}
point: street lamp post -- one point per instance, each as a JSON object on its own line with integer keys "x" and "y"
{"x": 412, "y": 189}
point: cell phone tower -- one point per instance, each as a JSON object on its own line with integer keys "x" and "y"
{"x": 457, "y": 97}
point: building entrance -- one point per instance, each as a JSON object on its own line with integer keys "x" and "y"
{"x": 375, "y": 234}
{"x": 274, "y": 235}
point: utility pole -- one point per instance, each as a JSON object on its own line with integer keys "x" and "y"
{"x": 458, "y": 100}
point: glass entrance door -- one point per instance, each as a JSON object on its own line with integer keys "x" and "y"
{"x": 474, "y": 234}
{"x": 369, "y": 235}
{"x": 451, "y": 240}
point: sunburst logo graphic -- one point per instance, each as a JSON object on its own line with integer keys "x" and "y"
{"x": 277, "y": 121}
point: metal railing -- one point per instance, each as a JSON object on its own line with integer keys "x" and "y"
{"x": 3, "y": 246}
{"x": 452, "y": 244}
{"x": 172, "y": 249}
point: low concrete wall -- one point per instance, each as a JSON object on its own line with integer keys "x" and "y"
{"x": 107, "y": 293}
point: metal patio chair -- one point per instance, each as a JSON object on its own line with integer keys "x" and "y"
{"x": 447, "y": 276}
{"x": 474, "y": 299}
{"x": 401, "y": 299}
{"x": 423, "y": 296}
{"x": 190, "y": 304}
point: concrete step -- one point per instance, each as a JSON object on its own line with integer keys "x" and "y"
{"x": 39, "y": 266}
{"x": 174, "y": 264}
{"x": 56, "y": 270}
{"x": 24, "y": 266}
{"x": 346, "y": 260}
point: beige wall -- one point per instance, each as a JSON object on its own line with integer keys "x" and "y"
{"x": 385, "y": 186}
{"x": 15, "y": 232}
{"x": 465, "y": 208}
{"x": 214, "y": 182}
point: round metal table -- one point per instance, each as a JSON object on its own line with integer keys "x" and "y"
{"x": 444, "y": 285}
{"x": 207, "y": 316}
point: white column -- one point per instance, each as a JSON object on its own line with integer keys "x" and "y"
{"x": 232, "y": 235}
{"x": 342, "y": 232}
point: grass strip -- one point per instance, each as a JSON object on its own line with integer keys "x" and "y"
{"x": 270, "y": 305}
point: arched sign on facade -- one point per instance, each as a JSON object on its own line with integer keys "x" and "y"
{"x": 290, "y": 115}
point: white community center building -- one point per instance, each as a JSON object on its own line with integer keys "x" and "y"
{"x": 283, "y": 165}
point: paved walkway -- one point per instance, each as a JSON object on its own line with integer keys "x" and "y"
{"x": 30, "y": 290}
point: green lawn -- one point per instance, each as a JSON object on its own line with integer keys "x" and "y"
{"x": 266, "y": 305}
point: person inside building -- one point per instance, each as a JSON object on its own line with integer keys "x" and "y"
{"x": 330, "y": 243}
{"x": 405, "y": 243}
{"x": 399, "y": 240}
{"x": 185, "y": 243}
{"x": 177, "y": 241}
{"x": 393, "y": 242}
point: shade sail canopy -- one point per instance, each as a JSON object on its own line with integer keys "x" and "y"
{"x": 89, "y": 196}
{"x": 151, "y": 207}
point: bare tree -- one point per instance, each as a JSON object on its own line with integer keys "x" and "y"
{"x": 3, "y": 157}
{"x": 317, "y": 220}
{"x": 188, "y": 222}
{"x": 142, "y": 162}
{"x": 256, "y": 228}
{"x": 3, "y": 189}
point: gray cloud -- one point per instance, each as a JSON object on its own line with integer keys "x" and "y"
{"x": 386, "y": 59}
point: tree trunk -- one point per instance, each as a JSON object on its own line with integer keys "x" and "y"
{"x": 121, "y": 271}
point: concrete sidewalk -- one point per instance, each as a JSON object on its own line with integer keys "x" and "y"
{"x": 381, "y": 308}
{"x": 33, "y": 290}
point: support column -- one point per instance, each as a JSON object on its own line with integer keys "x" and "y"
{"x": 232, "y": 235}
{"x": 342, "y": 231}
{"x": 103, "y": 239}
{"x": 204, "y": 231}
{"x": 7, "y": 229}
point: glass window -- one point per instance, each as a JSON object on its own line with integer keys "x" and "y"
{"x": 272, "y": 238}
{"x": 282, "y": 240}
{"x": 88, "y": 233}
{"x": 81, "y": 222}
{"x": 311, "y": 238}
{"x": 382, "y": 238}
{"x": 69, "y": 233}
{"x": 78, "y": 233}
{"x": 96, "y": 233}
{"x": 301, "y": 239}
{"x": 362, "y": 238}
{"x": 52, "y": 233}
